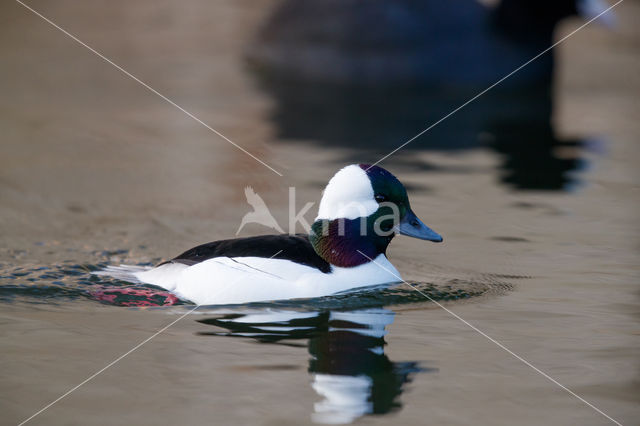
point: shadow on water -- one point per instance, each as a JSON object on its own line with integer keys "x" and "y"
{"x": 371, "y": 122}
{"x": 349, "y": 369}
{"x": 46, "y": 284}
{"x": 341, "y": 85}
{"x": 70, "y": 281}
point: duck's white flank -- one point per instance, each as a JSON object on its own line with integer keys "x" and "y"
{"x": 224, "y": 280}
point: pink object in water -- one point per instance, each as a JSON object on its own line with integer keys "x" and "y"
{"x": 134, "y": 296}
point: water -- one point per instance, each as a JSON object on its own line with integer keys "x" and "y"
{"x": 347, "y": 360}
{"x": 539, "y": 217}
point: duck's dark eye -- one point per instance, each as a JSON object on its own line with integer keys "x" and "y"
{"x": 381, "y": 198}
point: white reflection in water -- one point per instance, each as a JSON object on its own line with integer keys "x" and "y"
{"x": 346, "y": 398}
{"x": 349, "y": 397}
{"x": 349, "y": 368}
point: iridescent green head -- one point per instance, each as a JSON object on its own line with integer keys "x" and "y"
{"x": 361, "y": 210}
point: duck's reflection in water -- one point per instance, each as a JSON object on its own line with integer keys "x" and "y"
{"x": 348, "y": 365}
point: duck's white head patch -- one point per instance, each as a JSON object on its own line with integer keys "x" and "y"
{"x": 348, "y": 195}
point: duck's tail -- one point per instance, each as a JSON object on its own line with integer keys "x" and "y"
{"x": 126, "y": 273}
{"x": 164, "y": 275}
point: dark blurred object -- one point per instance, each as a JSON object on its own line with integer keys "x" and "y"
{"x": 349, "y": 367}
{"x": 459, "y": 43}
{"x": 373, "y": 121}
{"x": 534, "y": 158}
{"x": 370, "y": 75}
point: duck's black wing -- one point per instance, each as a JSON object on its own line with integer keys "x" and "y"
{"x": 295, "y": 248}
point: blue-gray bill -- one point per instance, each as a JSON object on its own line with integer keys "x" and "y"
{"x": 411, "y": 226}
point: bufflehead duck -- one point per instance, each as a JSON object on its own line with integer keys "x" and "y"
{"x": 361, "y": 210}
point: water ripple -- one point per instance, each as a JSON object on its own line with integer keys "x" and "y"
{"x": 69, "y": 281}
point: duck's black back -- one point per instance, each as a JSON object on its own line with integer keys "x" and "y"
{"x": 295, "y": 248}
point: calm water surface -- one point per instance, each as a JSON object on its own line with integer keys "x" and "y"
{"x": 539, "y": 217}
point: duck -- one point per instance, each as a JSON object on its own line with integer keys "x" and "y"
{"x": 361, "y": 210}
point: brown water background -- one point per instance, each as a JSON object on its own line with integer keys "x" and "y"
{"x": 94, "y": 168}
